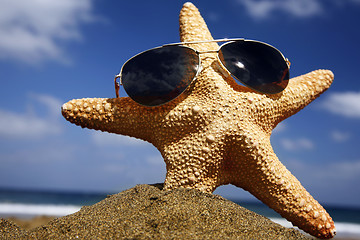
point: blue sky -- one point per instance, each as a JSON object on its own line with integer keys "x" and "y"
{"x": 54, "y": 51}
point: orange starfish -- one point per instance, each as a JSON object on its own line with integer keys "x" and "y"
{"x": 218, "y": 132}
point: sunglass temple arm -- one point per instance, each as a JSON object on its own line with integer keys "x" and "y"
{"x": 117, "y": 85}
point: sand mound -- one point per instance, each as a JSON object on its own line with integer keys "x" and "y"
{"x": 147, "y": 212}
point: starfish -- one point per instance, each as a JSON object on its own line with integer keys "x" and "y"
{"x": 218, "y": 132}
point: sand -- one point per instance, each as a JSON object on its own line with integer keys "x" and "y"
{"x": 30, "y": 223}
{"x": 147, "y": 212}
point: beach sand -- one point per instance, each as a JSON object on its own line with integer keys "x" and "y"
{"x": 147, "y": 212}
{"x": 30, "y": 223}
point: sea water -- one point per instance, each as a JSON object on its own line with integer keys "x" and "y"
{"x": 347, "y": 220}
{"x": 28, "y": 204}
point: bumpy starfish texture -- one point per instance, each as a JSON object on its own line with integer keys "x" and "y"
{"x": 218, "y": 132}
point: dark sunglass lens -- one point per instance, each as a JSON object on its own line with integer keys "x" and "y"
{"x": 159, "y": 75}
{"x": 257, "y": 65}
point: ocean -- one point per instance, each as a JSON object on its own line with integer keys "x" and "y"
{"x": 28, "y": 204}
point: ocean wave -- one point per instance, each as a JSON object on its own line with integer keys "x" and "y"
{"x": 343, "y": 229}
{"x": 19, "y": 209}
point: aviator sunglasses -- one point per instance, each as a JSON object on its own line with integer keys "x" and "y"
{"x": 159, "y": 75}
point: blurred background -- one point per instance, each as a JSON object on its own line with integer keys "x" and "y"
{"x": 56, "y": 50}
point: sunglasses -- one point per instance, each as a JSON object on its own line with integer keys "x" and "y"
{"x": 159, "y": 75}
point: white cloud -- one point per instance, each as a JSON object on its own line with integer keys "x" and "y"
{"x": 346, "y": 104}
{"x": 110, "y": 139}
{"x": 48, "y": 151}
{"x": 156, "y": 160}
{"x": 332, "y": 182}
{"x": 344, "y": 170}
{"x": 30, "y": 30}
{"x": 115, "y": 168}
{"x": 297, "y": 144}
{"x": 341, "y": 3}
{"x": 281, "y": 127}
{"x": 261, "y": 9}
{"x": 52, "y": 104}
{"x": 30, "y": 124}
{"x": 213, "y": 16}
{"x": 339, "y": 136}
{"x": 342, "y": 173}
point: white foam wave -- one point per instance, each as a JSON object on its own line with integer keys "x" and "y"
{"x": 351, "y": 229}
{"x": 15, "y": 209}
{"x": 342, "y": 228}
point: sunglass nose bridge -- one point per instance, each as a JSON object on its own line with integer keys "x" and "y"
{"x": 207, "y": 51}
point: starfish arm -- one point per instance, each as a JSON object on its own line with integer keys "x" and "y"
{"x": 268, "y": 179}
{"x": 114, "y": 115}
{"x": 300, "y": 91}
{"x": 194, "y": 28}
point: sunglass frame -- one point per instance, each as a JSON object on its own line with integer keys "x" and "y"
{"x": 183, "y": 44}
